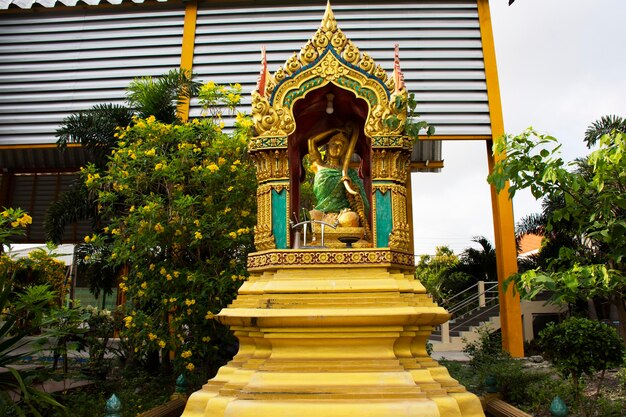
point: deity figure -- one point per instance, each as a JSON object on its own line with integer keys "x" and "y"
{"x": 337, "y": 186}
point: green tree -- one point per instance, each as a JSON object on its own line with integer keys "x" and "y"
{"x": 479, "y": 263}
{"x": 178, "y": 201}
{"x": 591, "y": 199}
{"x": 437, "y": 273}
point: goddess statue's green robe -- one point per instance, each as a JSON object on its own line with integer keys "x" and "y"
{"x": 331, "y": 193}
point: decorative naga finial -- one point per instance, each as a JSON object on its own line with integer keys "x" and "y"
{"x": 398, "y": 77}
{"x": 263, "y": 75}
{"x": 329, "y": 23}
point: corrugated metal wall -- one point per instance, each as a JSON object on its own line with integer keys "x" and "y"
{"x": 58, "y": 62}
{"x": 440, "y": 50}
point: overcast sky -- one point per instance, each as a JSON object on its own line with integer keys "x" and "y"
{"x": 561, "y": 66}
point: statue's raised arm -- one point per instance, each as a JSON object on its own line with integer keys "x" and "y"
{"x": 336, "y": 184}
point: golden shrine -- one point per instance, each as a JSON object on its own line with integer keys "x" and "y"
{"x": 335, "y": 328}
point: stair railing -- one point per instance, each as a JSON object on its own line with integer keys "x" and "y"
{"x": 485, "y": 293}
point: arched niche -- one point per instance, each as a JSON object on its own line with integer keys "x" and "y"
{"x": 311, "y": 118}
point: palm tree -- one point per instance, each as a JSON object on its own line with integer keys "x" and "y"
{"x": 479, "y": 263}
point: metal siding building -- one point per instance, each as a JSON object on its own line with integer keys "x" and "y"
{"x": 61, "y": 57}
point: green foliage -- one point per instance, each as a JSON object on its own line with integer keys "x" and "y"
{"x": 138, "y": 393}
{"x": 605, "y": 126}
{"x": 13, "y": 223}
{"x": 40, "y": 267}
{"x": 513, "y": 380}
{"x": 487, "y": 349}
{"x": 413, "y": 125}
{"x": 13, "y": 348}
{"x": 178, "y": 201}
{"x": 579, "y": 346}
{"x": 434, "y": 271}
{"x": 591, "y": 197}
{"x": 71, "y": 205}
{"x": 94, "y": 129}
{"x": 159, "y": 97}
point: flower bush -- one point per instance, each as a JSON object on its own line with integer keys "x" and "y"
{"x": 179, "y": 203}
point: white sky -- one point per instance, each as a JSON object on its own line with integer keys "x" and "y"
{"x": 561, "y": 65}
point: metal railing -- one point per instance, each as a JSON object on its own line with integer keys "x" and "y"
{"x": 483, "y": 294}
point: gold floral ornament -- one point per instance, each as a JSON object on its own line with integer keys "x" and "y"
{"x": 329, "y": 57}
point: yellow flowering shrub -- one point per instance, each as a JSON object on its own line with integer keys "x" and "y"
{"x": 173, "y": 208}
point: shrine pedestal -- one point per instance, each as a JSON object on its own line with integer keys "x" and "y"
{"x": 330, "y": 333}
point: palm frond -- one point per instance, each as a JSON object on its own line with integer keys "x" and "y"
{"x": 606, "y": 125}
{"x": 94, "y": 129}
{"x": 72, "y": 206}
{"x": 160, "y": 97}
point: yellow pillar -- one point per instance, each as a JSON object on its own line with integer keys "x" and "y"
{"x": 504, "y": 229}
{"x": 186, "y": 56}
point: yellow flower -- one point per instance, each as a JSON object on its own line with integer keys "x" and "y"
{"x": 209, "y": 316}
{"x": 176, "y": 274}
{"x": 140, "y": 293}
{"x": 150, "y": 152}
{"x": 158, "y": 228}
{"x": 212, "y": 167}
{"x": 151, "y": 119}
{"x": 226, "y": 210}
{"x": 245, "y": 213}
{"x": 5, "y": 213}
{"x": 86, "y": 258}
{"x": 158, "y": 166}
{"x": 233, "y": 235}
{"x": 115, "y": 231}
{"x": 189, "y": 302}
{"x": 168, "y": 277}
{"x": 190, "y": 366}
{"x": 152, "y": 266}
{"x": 206, "y": 339}
{"x": 162, "y": 344}
{"x": 87, "y": 239}
{"x": 229, "y": 189}
{"x": 131, "y": 209}
{"x": 152, "y": 336}
{"x": 128, "y": 321}
{"x": 198, "y": 235}
{"x": 163, "y": 271}
{"x": 15, "y": 224}
{"x": 144, "y": 285}
{"x": 196, "y": 222}
{"x": 221, "y": 161}
{"x": 24, "y": 220}
{"x": 186, "y": 354}
{"x": 233, "y": 168}
{"x": 173, "y": 300}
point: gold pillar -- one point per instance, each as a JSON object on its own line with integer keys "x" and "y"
{"x": 503, "y": 222}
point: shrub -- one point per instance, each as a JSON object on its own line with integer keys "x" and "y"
{"x": 579, "y": 346}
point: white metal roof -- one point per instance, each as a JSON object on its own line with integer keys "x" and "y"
{"x": 29, "y": 4}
